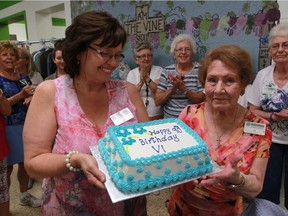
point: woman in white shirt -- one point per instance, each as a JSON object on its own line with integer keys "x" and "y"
{"x": 146, "y": 77}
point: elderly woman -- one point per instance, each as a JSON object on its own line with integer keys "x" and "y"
{"x": 228, "y": 129}
{"x": 146, "y": 77}
{"x": 179, "y": 85}
{"x": 16, "y": 88}
{"x": 269, "y": 99}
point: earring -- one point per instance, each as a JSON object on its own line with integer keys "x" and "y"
{"x": 78, "y": 61}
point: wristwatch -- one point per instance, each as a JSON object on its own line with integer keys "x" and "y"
{"x": 150, "y": 80}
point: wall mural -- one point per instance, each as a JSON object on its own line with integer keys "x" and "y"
{"x": 212, "y": 23}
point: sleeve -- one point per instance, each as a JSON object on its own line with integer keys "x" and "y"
{"x": 131, "y": 77}
{"x": 254, "y": 93}
{"x": 163, "y": 82}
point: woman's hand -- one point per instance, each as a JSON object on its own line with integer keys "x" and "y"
{"x": 27, "y": 91}
{"x": 281, "y": 116}
{"x": 229, "y": 174}
{"x": 90, "y": 168}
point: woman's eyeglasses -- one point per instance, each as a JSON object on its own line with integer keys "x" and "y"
{"x": 108, "y": 55}
{"x": 275, "y": 47}
{"x": 148, "y": 56}
{"x": 183, "y": 50}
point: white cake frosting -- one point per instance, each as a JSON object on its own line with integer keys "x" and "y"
{"x": 147, "y": 155}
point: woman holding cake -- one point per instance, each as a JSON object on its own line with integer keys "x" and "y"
{"x": 72, "y": 112}
{"x": 229, "y": 130}
{"x": 178, "y": 85}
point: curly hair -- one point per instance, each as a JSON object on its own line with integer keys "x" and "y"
{"x": 5, "y": 45}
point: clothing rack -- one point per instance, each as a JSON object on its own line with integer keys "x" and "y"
{"x": 41, "y": 41}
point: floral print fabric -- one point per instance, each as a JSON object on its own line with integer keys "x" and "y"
{"x": 189, "y": 199}
{"x": 71, "y": 193}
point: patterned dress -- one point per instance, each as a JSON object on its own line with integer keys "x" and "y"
{"x": 71, "y": 193}
{"x": 188, "y": 199}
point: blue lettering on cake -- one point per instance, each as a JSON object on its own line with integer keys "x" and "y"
{"x": 155, "y": 139}
{"x": 158, "y": 150}
{"x": 162, "y": 132}
{"x": 177, "y": 129}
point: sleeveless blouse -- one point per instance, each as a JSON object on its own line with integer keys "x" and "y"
{"x": 219, "y": 200}
{"x": 71, "y": 193}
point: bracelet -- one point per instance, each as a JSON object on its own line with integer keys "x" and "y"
{"x": 271, "y": 115}
{"x": 68, "y": 164}
{"x": 234, "y": 186}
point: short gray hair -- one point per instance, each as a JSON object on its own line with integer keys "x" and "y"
{"x": 142, "y": 45}
{"x": 181, "y": 37}
{"x": 278, "y": 30}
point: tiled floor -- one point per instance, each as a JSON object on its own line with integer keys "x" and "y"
{"x": 155, "y": 203}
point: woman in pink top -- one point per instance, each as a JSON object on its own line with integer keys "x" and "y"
{"x": 238, "y": 141}
{"x": 71, "y": 113}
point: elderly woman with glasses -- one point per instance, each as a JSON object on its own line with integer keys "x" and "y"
{"x": 268, "y": 99}
{"x": 71, "y": 113}
{"x": 179, "y": 85}
{"x": 146, "y": 77}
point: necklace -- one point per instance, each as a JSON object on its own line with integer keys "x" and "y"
{"x": 218, "y": 140}
{"x": 147, "y": 94}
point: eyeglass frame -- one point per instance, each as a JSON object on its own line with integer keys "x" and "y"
{"x": 184, "y": 50}
{"x": 144, "y": 56}
{"x": 107, "y": 55}
{"x": 275, "y": 47}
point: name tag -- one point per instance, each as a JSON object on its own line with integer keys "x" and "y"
{"x": 121, "y": 116}
{"x": 254, "y": 128}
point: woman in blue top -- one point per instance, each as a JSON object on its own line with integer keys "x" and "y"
{"x": 17, "y": 90}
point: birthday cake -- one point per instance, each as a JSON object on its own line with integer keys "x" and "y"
{"x": 149, "y": 155}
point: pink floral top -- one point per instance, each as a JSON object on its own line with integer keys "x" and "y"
{"x": 188, "y": 199}
{"x": 71, "y": 193}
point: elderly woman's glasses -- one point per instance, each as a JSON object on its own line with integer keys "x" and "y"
{"x": 108, "y": 55}
{"x": 183, "y": 50}
{"x": 275, "y": 47}
{"x": 144, "y": 56}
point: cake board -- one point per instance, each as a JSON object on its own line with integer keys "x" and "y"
{"x": 116, "y": 195}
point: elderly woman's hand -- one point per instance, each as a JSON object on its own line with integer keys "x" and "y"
{"x": 229, "y": 174}
{"x": 281, "y": 116}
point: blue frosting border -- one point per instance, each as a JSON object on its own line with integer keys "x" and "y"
{"x": 130, "y": 185}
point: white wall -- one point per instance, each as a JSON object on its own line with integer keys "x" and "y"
{"x": 283, "y": 6}
{"x": 38, "y": 18}
{"x": 19, "y": 30}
